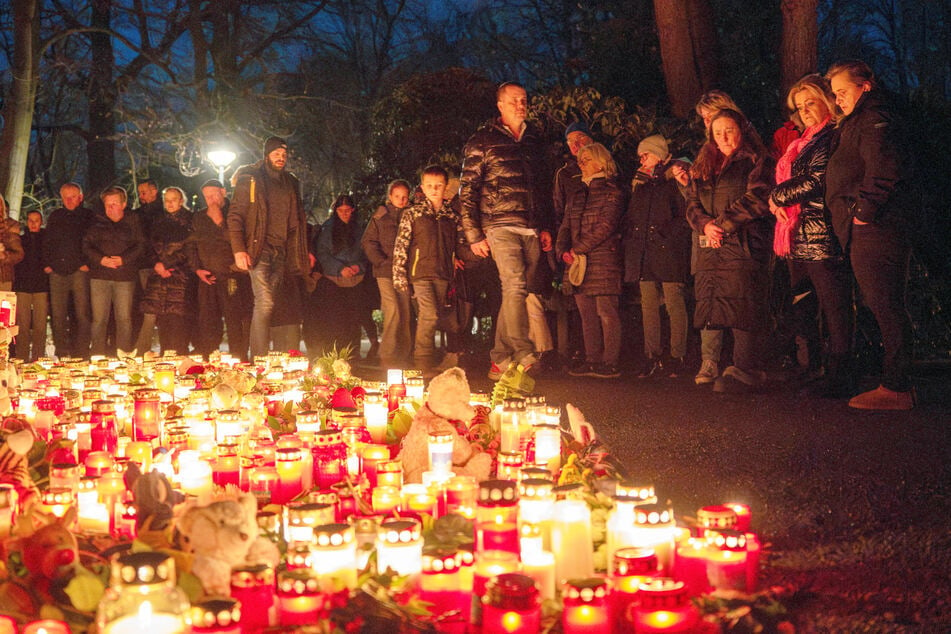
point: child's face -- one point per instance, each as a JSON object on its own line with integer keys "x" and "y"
{"x": 434, "y": 187}
{"x": 399, "y": 197}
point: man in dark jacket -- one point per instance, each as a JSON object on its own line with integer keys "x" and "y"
{"x": 222, "y": 291}
{"x": 506, "y": 211}
{"x": 113, "y": 247}
{"x": 867, "y": 194}
{"x": 377, "y": 242}
{"x": 32, "y": 285}
{"x": 268, "y": 233}
{"x": 68, "y": 272}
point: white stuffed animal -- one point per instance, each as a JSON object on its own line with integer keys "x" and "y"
{"x": 222, "y": 535}
{"x": 448, "y": 401}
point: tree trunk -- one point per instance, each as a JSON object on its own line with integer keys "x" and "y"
{"x": 687, "y": 49}
{"x": 18, "y": 110}
{"x": 798, "y": 54}
{"x": 100, "y": 144}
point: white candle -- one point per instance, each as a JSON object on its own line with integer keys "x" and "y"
{"x": 540, "y": 566}
{"x": 571, "y": 539}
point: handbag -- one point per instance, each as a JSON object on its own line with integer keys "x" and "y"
{"x": 455, "y": 314}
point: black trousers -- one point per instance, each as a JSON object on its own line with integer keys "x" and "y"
{"x": 880, "y": 257}
{"x": 229, "y": 297}
{"x": 832, "y": 280}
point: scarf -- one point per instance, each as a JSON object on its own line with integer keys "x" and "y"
{"x": 782, "y": 236}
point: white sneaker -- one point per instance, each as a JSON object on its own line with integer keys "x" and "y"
{"x": 709, "y": 371}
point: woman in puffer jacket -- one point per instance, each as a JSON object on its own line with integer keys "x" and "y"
{"x": 591, "y": 229}
{"x": 804, "y": 233}
{"x": 727, "y": 206}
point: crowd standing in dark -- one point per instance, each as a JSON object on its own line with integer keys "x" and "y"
{"x": 831, "y": 198}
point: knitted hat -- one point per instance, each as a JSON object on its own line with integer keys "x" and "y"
{"x": 656, "y": 145}
{"x": 212, "y": 182}
{"x": 577, "y": 126}
{"x": 449, "y": 395}
{"x": 273, "y": 143}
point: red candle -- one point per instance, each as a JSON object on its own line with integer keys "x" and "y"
{"x": 716, "y": 516}
{"x": 630, "y": 568}
{"x": 664, "y": 608}
{"x": 298, "y": 597}
{"x": 743, "y": 516}
{"x": 586, "y": 606}
{"x": 104, "y": 435}
{"x": 253, "y": 586}
{"x": 690, "y": 565}
{"x": 752, "y": 562}
{"x": 497, "y": 517}
{"x": 227, "y": 467}
{"x": 216, "y": 616}
{"x": 726, "y": 559}
{"x": 439, "y": 583}
{"x": 147, "y": 415}
{"x": 512, "y": 605}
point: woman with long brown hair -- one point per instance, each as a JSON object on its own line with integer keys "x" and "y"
{"x": 727, "y": 206}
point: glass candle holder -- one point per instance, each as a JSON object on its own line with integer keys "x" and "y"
{"x": 511, "y": 604}
{"x": 538, "y": 563}
{"x": 513, "y": 415}
{"x": 716, "y": 516}
{"x": 510, "y": 465}
{"x": 536, "y": 503}
{"x": 227, "y": 467}
{"x": 439, "y": 582}
{"x": 535, "y": 405}
{"x": 45, "y": 626}
{"x": 440, "y": 452}
{"x": 376, "y": 411}
{"x": 140, "y": 452}
{"x": 290, "y": 472}
{"x": 630, "y": 567}
{"x": 389, "y": 473}
{"x": 372, "y": 455}
{"x": 163, "y": 377}
{"x": 334, "y": 550}
{"x": 663, "y": 607}
{"x": 497, "y": 517}
{"x": 196, "y": 477}
{"x": 586, "y": 606}
{"x": 418, "y": 498}
{"x": 104, "y": 434}
{"x": 307, "y": 424}
{"x": 142, "y": 596}
{"x": 216, "y": 616}
{"x": 65, "y": 476}
{"x": 299, "y": 599}
{"x": 571, "y": 539}
{"x": 487, "y": 565}
{"x": 263, "y": 482}
{"x": 56, "y": 502}
{"x": 654, "y": 527}
{"x": 414, "y": 387}
{"x": 330, "y": 458}
{"x": 548, "y": 447}
{"x": 460, "y": 494}
{"x": 146, "y": 415}
{"x": 744, "y": 517}
{"x": 399, "y": 546}
{"x": 97, "y": 463}
{"x": 253, "y": 587}
{"x": 300, "y": 519}
{"x": 726, "y": 559}
{"x": 385, "y": 499}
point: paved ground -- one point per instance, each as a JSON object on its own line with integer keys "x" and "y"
{"x": 855, "y": 505}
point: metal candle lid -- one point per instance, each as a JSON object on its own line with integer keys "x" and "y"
{"x": 586, "y": 590}
{"x": 145, "y": 568}
{"x": 399, "y": 531}
{"x": 653, "y": 515}
{"x": 220, "y": 612}
{"x": 498, "y": 492}
{"x": 716, "y": 516}
{"x": 634, "y": 561}
{"x": 511, "y": 591}
{"x": 726, "y": 539}
{"x": 662, "y": 594}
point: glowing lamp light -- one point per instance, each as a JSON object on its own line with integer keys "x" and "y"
{"x": 221, "y": 159}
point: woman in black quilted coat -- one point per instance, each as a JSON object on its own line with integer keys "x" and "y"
{"x": 804, "y": 233}
{"x": 166, "y": 290}
{"x": 727, "y": 206}
{"x": 591, "y": 228}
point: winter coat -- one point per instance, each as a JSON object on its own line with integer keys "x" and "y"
{"x": 108, "y": 238}
{"x": 866, "y": 176}
{"x": 730, "y": 282}
{"x": 28, "y": 274}
{"x": 332, "y": 263}
{"x": 11, "y": 251}
{"x": 425, "y": 244}
{"x": 168, "y": 295}
{"x": 247, "y": 218}
{"x": 567, "y": 184}
{"x": 813, "y": 238}
{"x": 504, "y": 182}
{"x": 379, "y": 238}
{"x": 208, "y": 245}
{"x": 590, "y": 228}
{"x": 63, "y": 241}
{"x": 655, "y": 230}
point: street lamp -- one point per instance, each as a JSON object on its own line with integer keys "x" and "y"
{"x": 221, "y": 159}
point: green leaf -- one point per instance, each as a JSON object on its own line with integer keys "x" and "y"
{"x": 85, "y": 591}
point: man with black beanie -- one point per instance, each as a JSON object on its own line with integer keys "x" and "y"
{"x": 268, "y": 232}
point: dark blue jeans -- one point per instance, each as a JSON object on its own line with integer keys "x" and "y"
{"x": 266, "y": 275}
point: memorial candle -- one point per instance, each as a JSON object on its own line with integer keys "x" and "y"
{"x": 299, "y": 599}
{"x": 65, "y": 475}
{"x": 630, "y": 568}
{"x": 510, "y": 465}
{"x": 385, "y": 499}
{"x": 536, "y": 502}
{"x": 227, "y": 467}
{"x": 726, "y": 559}
{"x": 439, "y": 581}
{"x": 389, "y": 473}
{"x": 513, "y": 413}
{"x": 373, "y": 454}
{"x": 164, "y": 377}
{"x": 752, "y": 562}
{"x": 300, "y": 519}
{"x": 586, "y": 606}
{"x": 690, "y": 565}
{"x": 253, "y": 587}
{"x": 548, "y": 447}
{"x": 290, "y": 472}
{"x": 98, "y": 462}
{"x": 329, "y": 458}
{"x": 440, "y": 452}
{"x": 663, "y": 608}
{"x": 512, "y": 605}
{"x": 376, "y": 412}
{"x": 654, "y": 527}
{"x": 140, "y": 452}
{"x": 571, "y": 539}
{"x": 93, "y": 515}
{"x": 460, "y": 494}
{"x": 334, "y": 556}
{"x": 104, "y": 434}
{"x": 399, "y": 546}
{"x": 488, "y": 564}
{"x": 716, "y": 516}
{"x": 45, "y": 626}
{"x": 263, "y": 483}
{"x": 743, "y": 516}
{"x": 497, "y": 517}
{"x": 540, "y": 566}
{"x": 215, "y": 616}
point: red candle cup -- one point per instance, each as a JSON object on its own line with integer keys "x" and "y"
{"x": 511, "y": 604}
{"x": 497, "y": 517}
{"x": 663, "y": 608}
{"x": 253, "y": 587}
{"x": 586, "y": 606}
{"x": 216, "y": 616}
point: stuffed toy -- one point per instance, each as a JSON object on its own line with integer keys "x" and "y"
{"x": 9, "y": 380}
{"x": 222, "y": 535}
{"x": 153, "y": 497}
{"x": 16, "y": 440}
{"x": 446, "y": 411}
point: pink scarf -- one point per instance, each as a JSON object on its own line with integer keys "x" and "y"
{"x": 782, "y": 236}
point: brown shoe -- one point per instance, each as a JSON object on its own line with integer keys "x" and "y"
{"x": 883, "y": 398}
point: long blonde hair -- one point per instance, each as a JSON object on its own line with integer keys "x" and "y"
{"x": 817, "y": 86}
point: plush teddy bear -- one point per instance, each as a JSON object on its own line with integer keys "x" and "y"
{"x": 448, "y": 401}
{"x": 222, "y": 535}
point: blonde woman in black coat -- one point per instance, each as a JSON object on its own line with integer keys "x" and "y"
{"x": 590, "y": 229}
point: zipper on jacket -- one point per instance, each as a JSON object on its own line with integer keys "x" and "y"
{"x": 415, "y": 262}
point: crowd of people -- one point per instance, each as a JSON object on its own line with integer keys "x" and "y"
{"x": 829, "y": 199}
